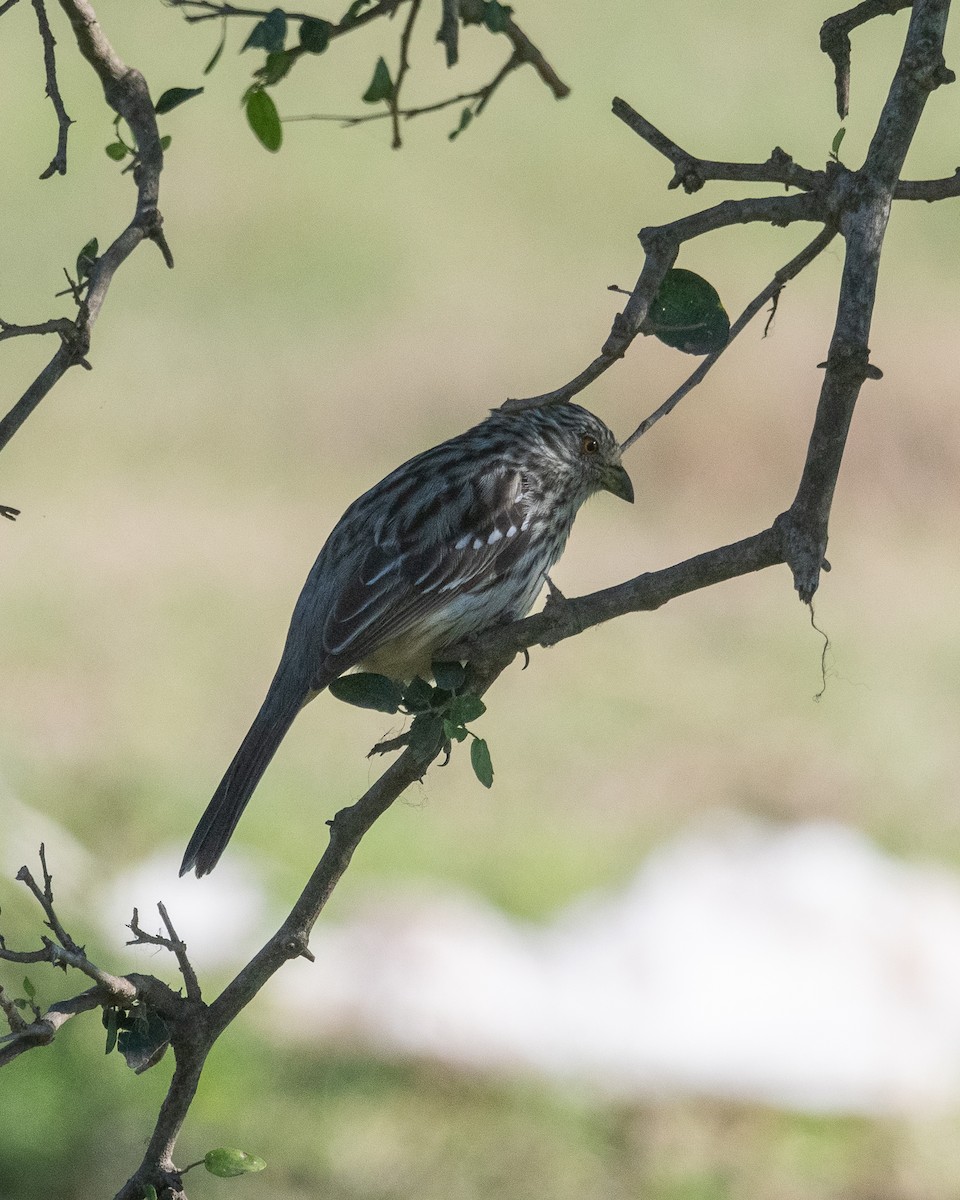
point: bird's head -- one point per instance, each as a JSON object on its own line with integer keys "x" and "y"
{"x": 580, "y": 453}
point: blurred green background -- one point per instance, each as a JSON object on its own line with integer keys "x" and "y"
{"x": 334, "y": 309}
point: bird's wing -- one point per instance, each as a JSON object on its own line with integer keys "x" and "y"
{"x": 458, "y": 543}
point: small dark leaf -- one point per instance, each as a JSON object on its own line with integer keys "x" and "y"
{"x": 276, "y": 66}
{"x": 687, "y": 314}
{"x": 264, "y": 119}
{"x": 426, "y": 734}
{"x": 314, "y": 35}
{"x": 227, "y": 1162}
{"x": 116, "y": 151}
{"x": 20, "y": 1003}
{"x": 367, "y": 690}
{"x": 465, "y": 709}
{"x": 381, "y": 85}
{"x": 268, "y": 34}
{"x": 835, "y": 144}
{"x": 465, "y": 118}
{"x": 496, "y": 16}
{"x": 449, "y": 675}
{"x": 165, "y": 141}
{"x": 417, "y": 695}
{"x": 88, "y": 256}
{"x": 480, "y": 761}
{"x": 174, "y": 96}
{"x": 454, "y": 733}
{"x": 28, "y": 989}
{"x": 145, "y": 1044}
{"x": 219, "y": 50}
{"x": 149, "y": 1192}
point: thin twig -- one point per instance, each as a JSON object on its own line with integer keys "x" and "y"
{"x": 6, "y": 6}
{"x": 58, "y": 165}
{"x": 171, "y": 942}
{"x": 691, "y": 172}
{"x": 58, "y": 325}
{"x": 12, "y": 1013}
{"x": 402, "y": 70}
{"x": 770, "y": 292}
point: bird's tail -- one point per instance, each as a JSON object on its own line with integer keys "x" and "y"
{"x": 221, "y": 815}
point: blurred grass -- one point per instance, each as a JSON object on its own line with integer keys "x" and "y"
{"x": 334, "y": 309}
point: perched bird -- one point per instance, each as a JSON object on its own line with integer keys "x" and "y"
{"x": 454, "y": 541}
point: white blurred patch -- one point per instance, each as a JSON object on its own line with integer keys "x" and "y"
{"x": 223, "y": 918}
{"x": 796, "y": 966}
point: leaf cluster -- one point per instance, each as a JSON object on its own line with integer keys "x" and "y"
{"x": 440, "y": 712}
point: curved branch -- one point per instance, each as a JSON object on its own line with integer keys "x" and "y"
{"x": 127, "y": 93}
{"x": 835, "y": 41}
{"x": 58, "y": 165}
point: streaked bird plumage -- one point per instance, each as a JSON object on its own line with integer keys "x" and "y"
{"x": 459, "y": 538}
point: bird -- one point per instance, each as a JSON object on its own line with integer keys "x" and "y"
{"x": 454, "y": 541}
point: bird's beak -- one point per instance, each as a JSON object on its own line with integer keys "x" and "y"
{"x": 616, "y": 480}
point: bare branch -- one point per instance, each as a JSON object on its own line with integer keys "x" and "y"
{"x": 12, "y": 1013}
{"x": 471, "y": 11}
{"x": 835, "y": 41}
{"x": 863, "y": 225}
{"x": 6, "y": 6}
{"x": 60, "y": 325}
{"x": 58, "y": 165}
{"x": 171, "y": 942}
{"x": 691, "y": 172}
{"x": 929, "y": 189}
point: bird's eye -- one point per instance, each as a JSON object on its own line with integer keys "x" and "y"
{"x": 589, "y": 444}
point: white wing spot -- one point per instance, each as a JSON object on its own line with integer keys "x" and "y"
{"x": 512, "y": 531}
{"x": 464, "y": 542}
{"x": 495, "y": 536}
{"x": 478, "y": 543}
{"x": 525, "y": 525}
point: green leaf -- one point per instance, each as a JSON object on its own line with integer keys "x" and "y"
{"x": 145, "y": 1043}
{"x": 367, "y": 690}
{"x": 835, "y": 144}
{"x": 381, "y": 85}
{"x": 227, "y": 1162}
{"x": 173, "y": 97}
{"x": 687, "y": 314}
{"x": 165, "y": 141}
{"x": 219, "y": 50}
{"x": 110, "y": 1023}
{"x": 480, "y": 761}
{"x": 29, "y": 990}
{"x": 276, "y": 66}
{"x": 465, "y": 709}
{"x": 264, "y": 119}
{"x": 268, "y": 34}
{"x": 116, "y": 151}
{"x": 417, "y": 695}
{"x": 87, "y": 257}
{"x": 465, "y": 118}
{"x": 149, "y": 1192}
{"x": 449, "y": 675}
{"x": 496, "y": 16}
{"x": 314, "y": 35}
{"x": 454, "y": 733}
